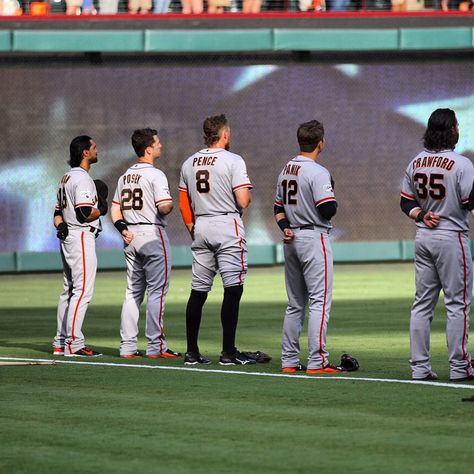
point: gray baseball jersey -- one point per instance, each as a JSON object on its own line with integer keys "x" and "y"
{"x": 76, "y": 189}
{"x": 210, "y": 177}
{"x": 139, "y": 191}
{"x": 441, "y": 182}
{"x": 302, "y": 186}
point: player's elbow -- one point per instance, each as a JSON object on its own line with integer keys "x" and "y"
{"x": 243, "y": 198}
{"x": 165, "y": 209}
{"x": 244, "y": 204}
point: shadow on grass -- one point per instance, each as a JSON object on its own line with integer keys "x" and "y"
{"x": 260, "y": 323}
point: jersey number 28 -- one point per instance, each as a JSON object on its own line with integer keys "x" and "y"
{"x": 132, "y": 199}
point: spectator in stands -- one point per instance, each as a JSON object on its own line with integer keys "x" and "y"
{"x": 312, "y": 5}
{"x": 161, "y": 6}
{"x": 192, "y": 6}
{"x": 108, "y": 7}
{"x": 399, "y": 5}
{"x": 461, "y": 5}
{"x": 73, "y": 7}
{"x": 217, "y": 6}
{"x": 88, "y": 8}
{"x": 139, "y": 6}
{"x": 251, "y": 6}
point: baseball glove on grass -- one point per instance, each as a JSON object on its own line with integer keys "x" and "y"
{"x": 259, "y": 356}
{"x": 349, "y": 363}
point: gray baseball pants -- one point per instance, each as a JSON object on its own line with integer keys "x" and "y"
{"x": 219, "y": 244}
{"x": 308, "y": 278}
{"x": 79, "y": 271}
{"x": 148, "y": 269}
{"x": 442, "y": 262}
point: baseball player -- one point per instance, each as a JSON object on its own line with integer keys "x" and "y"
{"x": 140, "y": 204}
{"x": 76, "y": 219}
{"x": 435, "y": 193}
{"x": 304, "y": 206}
{"x": 214, "y": 188}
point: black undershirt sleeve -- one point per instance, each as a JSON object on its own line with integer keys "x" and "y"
{"x": 328, "y": 209}
{"x": 278, "y": 209}
{"x": 407, "y": 205}
{"x": 470, "y": 204}
{"x": 82, "y": 213}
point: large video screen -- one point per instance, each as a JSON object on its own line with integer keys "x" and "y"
{"x": 374, "y": 115}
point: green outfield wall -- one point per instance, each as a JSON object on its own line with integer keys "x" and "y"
{"x": 344, "y": 252}
{"x": 237, "y": 40}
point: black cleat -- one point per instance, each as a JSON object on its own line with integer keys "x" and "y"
{"x": 236, "y": 358}
{"x": 469, "y": 378}
{"x": 194, "y": 358}
{"x": 84, "y": 352}
{"x": 430, "y": 376}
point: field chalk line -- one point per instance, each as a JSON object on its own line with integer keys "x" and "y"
{"x": 255, "y": 374}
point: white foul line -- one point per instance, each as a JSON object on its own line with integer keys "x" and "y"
{"x": 241, "y": 372}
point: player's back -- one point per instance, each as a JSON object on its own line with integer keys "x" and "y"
{"x": 210, "y": 178}
{"x": 76, "y": 189}
{"x": 441, "y": 182}
{"x": 139, "y": 191}
{"x": 303, "y": 185}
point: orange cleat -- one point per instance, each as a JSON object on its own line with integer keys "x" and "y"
{"x": 135, "y": 355}
{"x": 329, "y": 369}
{"x": 58, "y": 351}
{"x": 291, "y": 370}
{"x": 168, "y": 354}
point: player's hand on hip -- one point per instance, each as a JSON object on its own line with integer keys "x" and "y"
{"x": 288, "y": 236}
{"x": 431, "y": 220}
{"x": 127, "y": 236}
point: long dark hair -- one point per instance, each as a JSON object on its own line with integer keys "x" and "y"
{"x": 441, "y": 133}
{"x": 76, "y": 149}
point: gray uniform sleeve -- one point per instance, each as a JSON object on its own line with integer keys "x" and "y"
{"x": 466, "y": 178}
{"x": 322, "y": 189}
{"x": 408, "y": 191}
{"x": 116, "y": 199}
{"x": 240, "y": 178}
{"x": 85, "y": 194}
{"x": 161, "y": 189}
{"x": 182, "y": 183}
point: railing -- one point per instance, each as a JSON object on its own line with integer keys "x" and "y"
{"x": 98, "y": 7}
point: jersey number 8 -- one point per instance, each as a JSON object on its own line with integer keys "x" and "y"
{"x": 132, "y": 199}
{"x": 202, "y": 181}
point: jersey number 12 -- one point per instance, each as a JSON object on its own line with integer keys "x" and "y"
{"x": 290, "y": 189}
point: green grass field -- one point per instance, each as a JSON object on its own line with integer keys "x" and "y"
{"x": 108, "y": 419}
